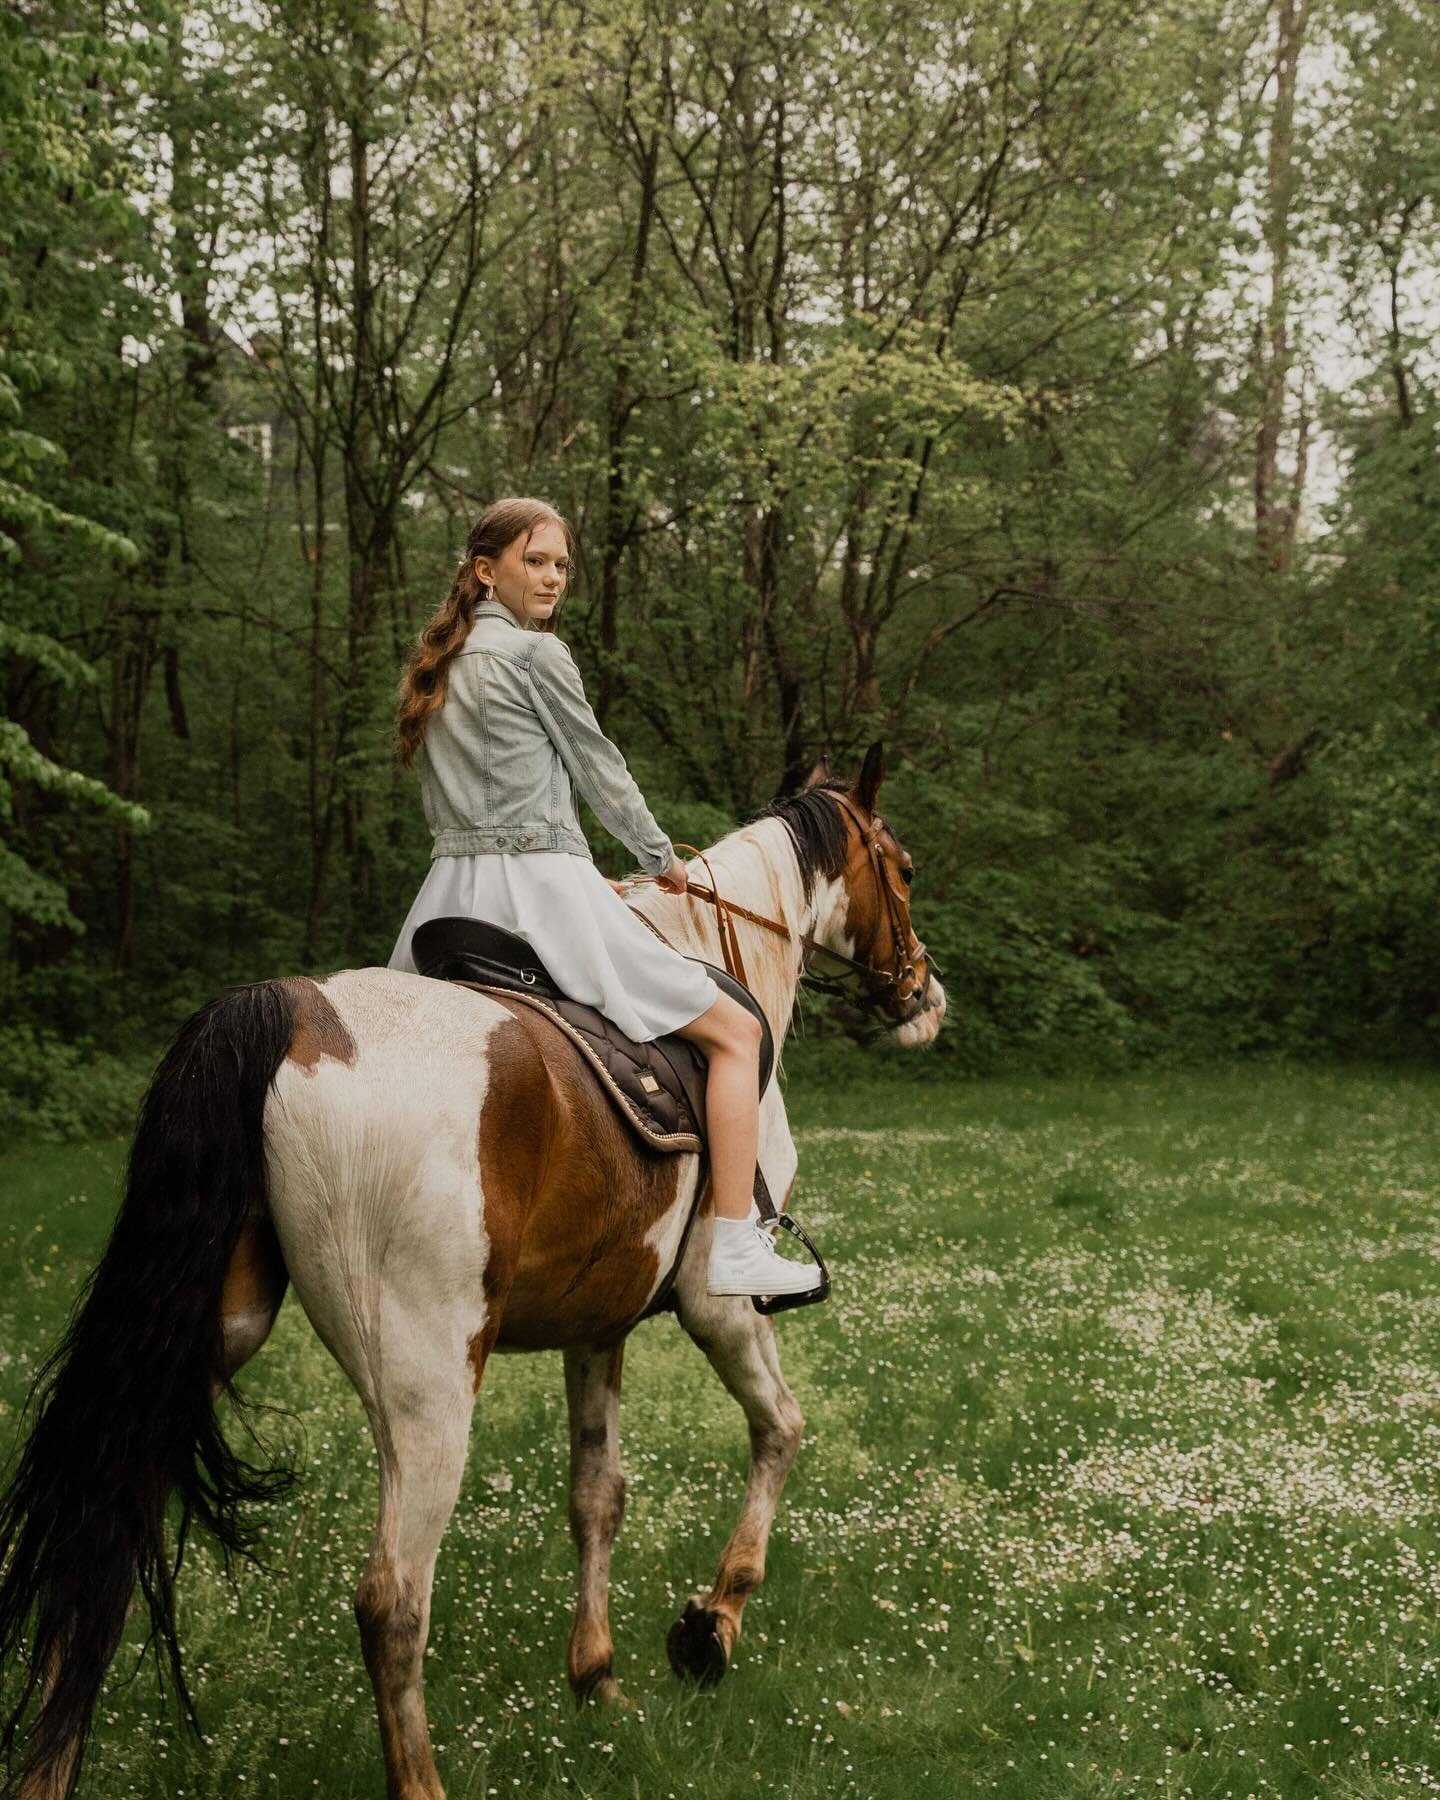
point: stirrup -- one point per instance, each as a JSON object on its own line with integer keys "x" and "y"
{"x": 777, "y": 1303}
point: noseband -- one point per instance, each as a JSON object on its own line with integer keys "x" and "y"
{"x": 901, "y": 979}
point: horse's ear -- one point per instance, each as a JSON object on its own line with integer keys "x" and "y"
{"x": 872, "y": 773}
{"x": 821, "y": 772}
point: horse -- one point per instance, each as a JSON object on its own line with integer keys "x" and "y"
{"x": 440, "y": 1178}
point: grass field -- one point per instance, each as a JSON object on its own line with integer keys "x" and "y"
{"x": 1120, "y": 1478}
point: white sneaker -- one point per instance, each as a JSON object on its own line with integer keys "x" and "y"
{"x": 744, "y": 1261}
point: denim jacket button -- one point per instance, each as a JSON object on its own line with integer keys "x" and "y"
{"x": 502, "y": 843}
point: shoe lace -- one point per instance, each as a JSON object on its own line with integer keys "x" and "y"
{"x": 769, "y": 1232}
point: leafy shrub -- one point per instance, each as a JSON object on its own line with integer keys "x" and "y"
{"x": 56, "y": 1091}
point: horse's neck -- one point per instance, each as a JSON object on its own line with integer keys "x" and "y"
{"x": 755, "y": 867}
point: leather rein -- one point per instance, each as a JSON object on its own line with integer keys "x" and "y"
{"x": 901, "y": 978}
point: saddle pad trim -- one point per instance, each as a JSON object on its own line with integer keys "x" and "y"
{"x": 656, "y": 1140}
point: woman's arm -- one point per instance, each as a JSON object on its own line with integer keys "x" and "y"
{"x": 597, "y": 767}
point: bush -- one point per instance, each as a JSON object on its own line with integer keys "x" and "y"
{"x": 57, "y": 1091}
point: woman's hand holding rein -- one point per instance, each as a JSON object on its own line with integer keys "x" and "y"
{"x": 676, "y": 878}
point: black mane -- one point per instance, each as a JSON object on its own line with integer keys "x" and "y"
{"x": 817, "y": 829}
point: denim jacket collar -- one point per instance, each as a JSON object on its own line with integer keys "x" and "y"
{"x": 486, "y": 607}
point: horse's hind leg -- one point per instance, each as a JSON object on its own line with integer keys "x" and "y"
{"x": 421, "y": 1420}
{"x": 740, "y": 1344}
{"x": 597, "y": 1503}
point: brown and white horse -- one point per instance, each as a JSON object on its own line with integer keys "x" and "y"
{"x": 440, "y": 1177}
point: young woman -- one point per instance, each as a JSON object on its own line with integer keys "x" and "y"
{"x": 494, "y": 703}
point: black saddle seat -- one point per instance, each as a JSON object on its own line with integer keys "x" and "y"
{"x": 465, "y": 949}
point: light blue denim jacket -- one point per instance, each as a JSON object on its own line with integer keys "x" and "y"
{"x": 514, "y": 738}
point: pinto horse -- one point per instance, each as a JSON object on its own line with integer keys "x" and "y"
{"x": 440, "y": 1177}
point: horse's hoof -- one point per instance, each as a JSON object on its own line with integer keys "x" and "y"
{"x": 600, "y": 1686}
{"x": 696, "y": 1650}
{"x": 608, "y": 1692}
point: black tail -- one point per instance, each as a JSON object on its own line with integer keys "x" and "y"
{"x": 124, "y": 1407}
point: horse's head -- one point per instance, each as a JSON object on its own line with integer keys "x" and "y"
{"x": 864, "y": 938}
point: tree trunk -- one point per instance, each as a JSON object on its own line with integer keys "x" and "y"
{"x": 131, "y": 661}
{"x": 1275, "y": 516}
{"x": 618, "y": 521}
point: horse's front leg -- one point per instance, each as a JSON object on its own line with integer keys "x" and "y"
{"x": 597, "y": 1504}
{"x": 740, "y": 1344}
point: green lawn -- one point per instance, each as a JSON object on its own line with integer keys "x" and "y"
{"x": 1120, "y": 1477}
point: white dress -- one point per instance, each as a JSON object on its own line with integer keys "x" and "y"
{"x": 596, "y": 948}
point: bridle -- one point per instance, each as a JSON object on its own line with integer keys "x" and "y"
{"x": 901, "y": 980}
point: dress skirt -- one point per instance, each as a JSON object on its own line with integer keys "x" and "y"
{"x": 595, "y": 947}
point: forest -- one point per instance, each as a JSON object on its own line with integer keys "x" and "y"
{"x": 1046, "y": 389}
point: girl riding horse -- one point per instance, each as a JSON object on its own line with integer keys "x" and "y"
{"x": 494, "y": 705}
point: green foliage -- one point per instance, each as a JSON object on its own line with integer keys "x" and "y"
{"x": 54, "y": 188}
{"x": 56, "y": 1089}
{"x": 928, "y": 413}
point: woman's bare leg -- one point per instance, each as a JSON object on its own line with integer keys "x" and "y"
{"x": 730, "y": 1039}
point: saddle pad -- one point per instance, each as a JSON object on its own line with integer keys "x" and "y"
{"x": 664, "y": 1105}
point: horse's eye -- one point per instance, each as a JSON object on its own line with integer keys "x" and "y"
{"x": 907, "y": 876}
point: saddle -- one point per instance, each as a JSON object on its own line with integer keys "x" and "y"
{"x": 658, "y": 1087}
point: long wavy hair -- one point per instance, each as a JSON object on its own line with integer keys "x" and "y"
{"x": 422, "y": 686}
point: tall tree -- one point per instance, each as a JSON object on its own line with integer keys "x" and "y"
{"x": 61, "y": 193}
